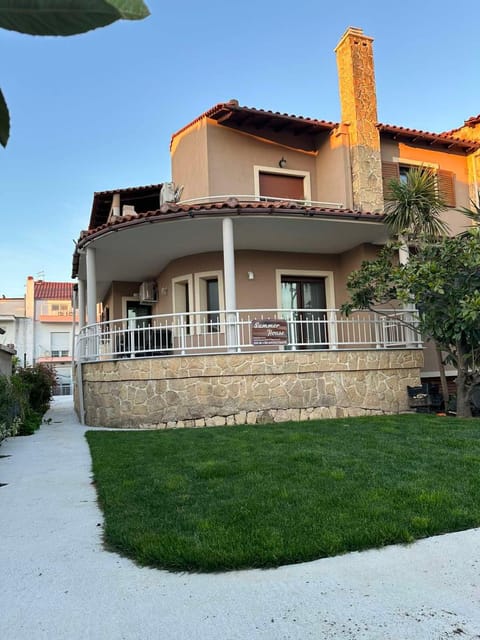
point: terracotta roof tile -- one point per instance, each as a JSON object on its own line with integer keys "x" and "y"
{"x": 223, "y": 110}
{"x": 445, "y": 138}
{"x": 53, "y": 290}
{"x": 471, "y": 122}
{"x": 230, "y": 203}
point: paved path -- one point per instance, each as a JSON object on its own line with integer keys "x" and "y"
{"x": 57, "y": 581}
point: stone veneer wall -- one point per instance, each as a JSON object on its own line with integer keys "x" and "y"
{"x": 248, "y": 387}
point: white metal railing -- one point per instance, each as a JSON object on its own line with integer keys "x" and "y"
{"x": 253, "y": 198}
{"x": 238, "y": 331}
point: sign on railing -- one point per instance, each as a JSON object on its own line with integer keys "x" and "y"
{"x": 268, "y": 331}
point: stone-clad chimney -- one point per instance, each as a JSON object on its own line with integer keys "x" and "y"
{"x": 359, "y": 111}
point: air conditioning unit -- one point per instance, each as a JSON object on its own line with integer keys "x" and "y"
{"x": 148, "y": 292}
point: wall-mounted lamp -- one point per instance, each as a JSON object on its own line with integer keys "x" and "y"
{"x": 164, "y": 291}
{"x": 282, "y": 162}
{"x": 251, "y": 275}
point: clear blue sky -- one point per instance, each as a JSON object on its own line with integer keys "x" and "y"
{"x": 96, "y": 111}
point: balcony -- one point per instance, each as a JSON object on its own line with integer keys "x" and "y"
{"x": 55, "y": 312}
{"x": 246, "y": 331}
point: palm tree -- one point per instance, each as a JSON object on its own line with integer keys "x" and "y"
{"x": 414, "y": 206}
{"x": 413, "y": 213}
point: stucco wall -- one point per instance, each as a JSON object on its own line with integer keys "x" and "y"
{"x": 6, "y": 355}
{"x": 240, "y": 388}
{"x": 447, "y": 161}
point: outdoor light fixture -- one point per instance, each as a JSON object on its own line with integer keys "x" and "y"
{"x": 251, "y": 275}
{"x": 282, "y": 162}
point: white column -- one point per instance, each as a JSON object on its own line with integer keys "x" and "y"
{"x": 229, "y": 277}
{"x": 81, "y": 304}
{"x": 91, "y": 286}
{"x": 408, "y": 309}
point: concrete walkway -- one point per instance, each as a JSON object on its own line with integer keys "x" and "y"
{"x": 57, "y": 582}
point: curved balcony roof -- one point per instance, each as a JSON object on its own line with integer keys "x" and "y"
{"x": 138, "y": 247}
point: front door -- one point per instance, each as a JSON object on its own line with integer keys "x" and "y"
{"x": 307, "y": 298}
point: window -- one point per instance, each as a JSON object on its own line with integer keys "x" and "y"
{"x": 59, "y": 345}
{"x": 209, "y": 299}
{"x": 60, "y": 309}
{"x": 182, "y": 288}
{"x": 284, "y": 184}
{"x": 399, "y": 171}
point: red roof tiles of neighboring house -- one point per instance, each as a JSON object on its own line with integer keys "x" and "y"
{"x": 53, "y": 290}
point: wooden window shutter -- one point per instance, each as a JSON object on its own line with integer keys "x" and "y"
{"x": 390, "y": 171}
{"x": 446, "y": 187}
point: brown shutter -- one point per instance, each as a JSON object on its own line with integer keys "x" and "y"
{"x": 446, "y": 187}
{"x": 390, "y": 171}
{"x": 281, "y": 186}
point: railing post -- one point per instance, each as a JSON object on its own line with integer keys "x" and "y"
{"x": 292, "y": 330}
{"x": 182, "y": 334}
{"x": 376, "y": 325}
{"x": 332, "y": 327}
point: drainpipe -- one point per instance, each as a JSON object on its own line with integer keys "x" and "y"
{"x": 74, "y": 316}
{"x": 229, "y": 275}
{"x": 475, "y": 157}
{"x": 81, "y": 304}
{"x": 91, "y": 286}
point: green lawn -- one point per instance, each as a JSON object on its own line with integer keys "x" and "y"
{"x": 261, "y": 496}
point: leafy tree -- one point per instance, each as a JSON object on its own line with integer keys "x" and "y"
{"x": 61, "y": 18}
{"x": 443, "y": 282}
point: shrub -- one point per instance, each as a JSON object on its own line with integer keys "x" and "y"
{"x": 38, "y": 382}
{"x": 24, "y": 398}
{"x": 10, "y": 409}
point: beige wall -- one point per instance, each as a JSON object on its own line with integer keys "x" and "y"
{"x": 189, "y": 161}
{"x": 259, "y": 293}
{"x": 232, "y": 156}
{"x": 210, "y": 160}
{"x": 240, "y": 388}
{"x": 446, "y": 161}
{"x": 332, "y": 169}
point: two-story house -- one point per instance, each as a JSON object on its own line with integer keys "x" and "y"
{"x": 48, "y": 306}
{"x": 221, "y": 289}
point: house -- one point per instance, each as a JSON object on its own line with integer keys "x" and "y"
{"x": 14, "y": 328}
{"x": 220, "y": 289}
{"x": 48, "y": 309}
{"x": 39, "y": 327}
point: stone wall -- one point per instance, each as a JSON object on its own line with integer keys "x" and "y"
{"x": 248, "y": 387}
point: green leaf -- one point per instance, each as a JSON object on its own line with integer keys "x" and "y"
{"x": 4, "y": 121}
{"x": 66, "y": 17}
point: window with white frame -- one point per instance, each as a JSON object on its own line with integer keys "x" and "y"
{"x": 209, "y": 301}
{"x": 60, "y": 309}
{"x": 281, "y": 184}
{"x": 182, "y": 288}
{"x": 60, "y": 344}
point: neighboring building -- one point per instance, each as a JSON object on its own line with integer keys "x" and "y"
{"x": 17, "y": 327}
{"x": 276, "y": 211}
{"x": 48, "y": 305}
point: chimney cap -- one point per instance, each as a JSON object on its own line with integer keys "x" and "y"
{"x": 353, "y": 32}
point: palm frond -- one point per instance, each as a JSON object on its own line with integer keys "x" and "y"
{"x": 413, "y": 207}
